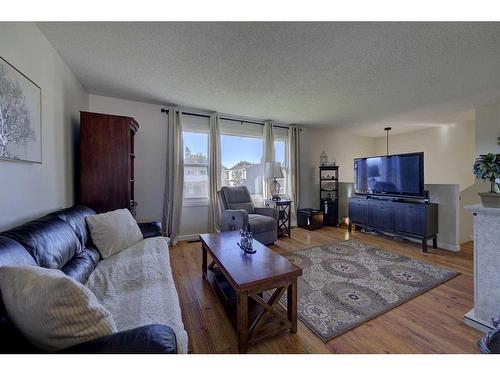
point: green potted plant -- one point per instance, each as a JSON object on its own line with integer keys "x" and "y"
{"x": 487, "y": 168}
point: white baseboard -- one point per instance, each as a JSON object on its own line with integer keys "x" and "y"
{"x": 476, "y": 323}
{"x": 188, "y": 237}
{"x": 450, "y": 247}
{"x": 441, "y": 245}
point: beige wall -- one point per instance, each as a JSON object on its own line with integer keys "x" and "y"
{"x": 449, "y": 153}
{"x": 28, "y": 190}
{"x": 338, "y": 145}
{"x": 488, "y": 129}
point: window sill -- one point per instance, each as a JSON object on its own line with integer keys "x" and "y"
{"x": 195, "y": 202}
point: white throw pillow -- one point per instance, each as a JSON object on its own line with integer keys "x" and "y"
{"x": 51, "y": 309}
{"x": 113, "y": 231}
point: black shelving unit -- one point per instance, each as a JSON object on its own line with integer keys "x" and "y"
{"x": 329, "y": 194}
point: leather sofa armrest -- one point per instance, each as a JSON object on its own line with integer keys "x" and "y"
{"x": 233, "y": 220}
{"x": 154, "y": 338}
{"x": 267, "y": 211}
{"x": 152, "y": 229}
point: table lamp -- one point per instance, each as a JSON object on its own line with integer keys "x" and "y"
{"x": 273, "y": 171}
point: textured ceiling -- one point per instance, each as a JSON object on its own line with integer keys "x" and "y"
{"x": 348, "y": 75}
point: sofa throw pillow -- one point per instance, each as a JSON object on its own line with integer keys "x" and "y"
{"x": 52, "y": 310}
{"x": 113, "y": 231}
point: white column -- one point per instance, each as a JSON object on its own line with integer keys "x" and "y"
{"x": 486, "y": 267}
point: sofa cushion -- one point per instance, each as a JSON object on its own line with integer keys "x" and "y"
{"x": 113, "y": 231}
{"x": 75, "y": 217}
{"x": 51, "y": 241}
{"x": 261, "y": 223}
{"x": 238, "y": 197}
{"x": 13, "y": 254}
{"x": 52, "y": 310}
{"x": 152, "y": 288}
{"x": 81, "y": 266}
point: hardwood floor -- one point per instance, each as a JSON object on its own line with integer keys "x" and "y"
{"x": 429, "y": 323}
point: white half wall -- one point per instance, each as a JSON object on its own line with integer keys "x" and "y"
{"x": 29, "y": 190}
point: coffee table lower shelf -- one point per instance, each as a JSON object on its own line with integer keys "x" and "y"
{"x": 261, "y": 324}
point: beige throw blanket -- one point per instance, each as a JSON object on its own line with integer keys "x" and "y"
{"x": 137, "y": 287}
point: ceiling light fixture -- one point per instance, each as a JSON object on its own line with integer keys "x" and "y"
{"x": 387, "y": 129}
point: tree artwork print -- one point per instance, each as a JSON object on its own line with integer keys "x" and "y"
{"x": 20, "y": 116}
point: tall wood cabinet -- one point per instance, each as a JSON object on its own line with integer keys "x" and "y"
{"x": 107, "y": 162}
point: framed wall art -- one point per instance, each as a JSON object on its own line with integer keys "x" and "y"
{"x": 20, "y": 116}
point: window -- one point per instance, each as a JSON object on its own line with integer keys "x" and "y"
{"x": 242, "y": 162}
{"x": 242, "y": 151}
{"x": 195, "y": 165}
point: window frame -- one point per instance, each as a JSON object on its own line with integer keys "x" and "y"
{"x": 244, "y": 132}
{"x": 195, "y": 201}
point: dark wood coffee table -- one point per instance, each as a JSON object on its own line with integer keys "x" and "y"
{"x": 250, "y": 286}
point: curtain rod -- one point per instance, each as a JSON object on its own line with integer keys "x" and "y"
{"x": 228, "y": 119}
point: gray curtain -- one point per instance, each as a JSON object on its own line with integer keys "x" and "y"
{"x": 214, "y": 172}
{"x": 268, "y": 153}
{"x": 174, "y": 177}
{"x": 294, "y": 169}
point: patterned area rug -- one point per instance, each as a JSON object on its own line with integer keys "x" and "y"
{"x": 348, "y": 283}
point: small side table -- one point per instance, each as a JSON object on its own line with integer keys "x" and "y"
{"x": 283, "y": 207}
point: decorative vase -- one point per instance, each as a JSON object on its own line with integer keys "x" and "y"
{"x": 490, "y": 200}
{"x": 246, "y": 241}
{"x": 323, "y": 159}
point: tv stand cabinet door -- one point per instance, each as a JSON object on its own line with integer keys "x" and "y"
{"x": 381, "y": 215}
{"x": 358, "y": 211}
{"x": 410, "y": 218}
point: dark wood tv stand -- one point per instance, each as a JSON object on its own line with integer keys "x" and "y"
{"x": 414, "y": 219}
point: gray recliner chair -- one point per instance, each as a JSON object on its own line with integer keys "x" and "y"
{"x": 237, "y": 210}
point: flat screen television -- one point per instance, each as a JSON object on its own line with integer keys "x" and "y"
{"x": 399, "y": 175}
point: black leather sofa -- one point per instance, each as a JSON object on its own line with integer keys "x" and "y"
{"x": 61, "y": 240}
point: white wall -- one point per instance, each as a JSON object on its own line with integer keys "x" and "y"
{"x": 28, "y": 190}
{"x": 150, "y": 151}
{"x": 150, "y": 160}
{"x": 448, "y": 152}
